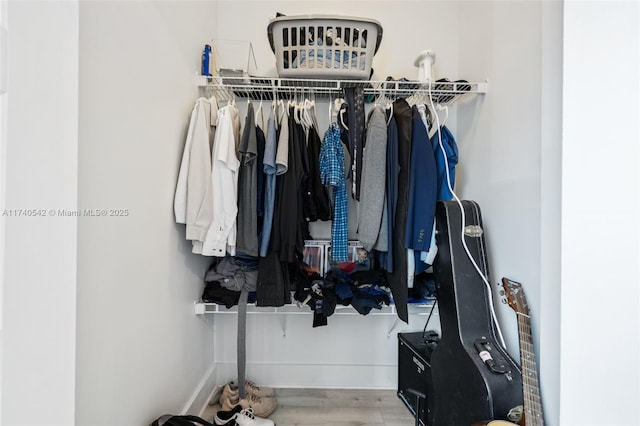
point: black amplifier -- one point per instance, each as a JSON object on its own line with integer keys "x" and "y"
{"x": 414, "y": 372}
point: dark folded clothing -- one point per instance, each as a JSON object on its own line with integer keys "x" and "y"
{"x": 344, "y": 291}
{"x": 215, "y": 293}
{"x": 363, "y": 304}
{"x": 368, "y": 277}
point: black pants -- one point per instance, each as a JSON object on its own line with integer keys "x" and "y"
{"x": 398, "y": 279}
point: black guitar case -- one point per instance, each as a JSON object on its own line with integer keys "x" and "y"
{"x": 466, "y": 388}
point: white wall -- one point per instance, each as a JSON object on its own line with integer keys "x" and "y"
{"x": 511, "y": 161}
{"x": 141, "y": 350}
{"x": 432, "y": 24}
{"x": 548, "y": 336}
{"x": 601, "y": 191}
{"x": 352, "y": 351}
{"x": 38, "y": 363}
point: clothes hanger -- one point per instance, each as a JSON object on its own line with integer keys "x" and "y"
{"x": 340, "y": 111}
{"x": 307, "y": 114}
{"x": 433, "y": 129}
{"x": 260, "y": 114}
{"x": 334, "y": 109}
{"x": 342, "y": 119}
{"x": 296, "y": 112}
{"x": 312, "y": 111}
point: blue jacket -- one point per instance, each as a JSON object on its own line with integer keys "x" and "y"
{"x": 451, "y": 149}
{"x": 423, "y": 189}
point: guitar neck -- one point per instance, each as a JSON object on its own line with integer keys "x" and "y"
{"x": 530, "y": 386}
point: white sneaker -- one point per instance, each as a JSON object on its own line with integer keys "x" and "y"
{"x": 241, "y": 417}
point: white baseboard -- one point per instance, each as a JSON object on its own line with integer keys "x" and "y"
{"x": 203, "y": 393}
{"x": 331, "y": 376}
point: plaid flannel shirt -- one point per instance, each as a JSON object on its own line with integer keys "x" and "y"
{"x": 332, "y": 173}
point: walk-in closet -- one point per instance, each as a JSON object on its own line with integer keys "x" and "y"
{"x": 103, "y": 321}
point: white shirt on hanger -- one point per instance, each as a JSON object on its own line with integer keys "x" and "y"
{"x": 193, "y": 197}
{"x": 221, "y": 235}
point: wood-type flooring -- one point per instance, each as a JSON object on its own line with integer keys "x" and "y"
{"x": 335, "y": 407}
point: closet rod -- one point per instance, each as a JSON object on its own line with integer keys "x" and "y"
{"x": 226, "y": 88}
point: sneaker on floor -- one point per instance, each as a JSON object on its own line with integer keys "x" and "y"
{"x": 240, "y": 417}
{"x": 252, "y": 388}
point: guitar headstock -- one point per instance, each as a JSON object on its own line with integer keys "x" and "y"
{"x": 515, "y": 296}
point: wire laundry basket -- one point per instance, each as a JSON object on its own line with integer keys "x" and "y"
{"x": 324, "y": 46}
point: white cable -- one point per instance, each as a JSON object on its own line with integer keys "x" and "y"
{"x": 464, "y": 243}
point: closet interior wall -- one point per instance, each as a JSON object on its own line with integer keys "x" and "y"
{"x": 140, "y": 350}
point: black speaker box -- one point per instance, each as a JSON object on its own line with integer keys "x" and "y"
{"x": 414, "y": 373}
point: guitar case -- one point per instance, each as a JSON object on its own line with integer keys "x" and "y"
{"x": 474, "y": 378}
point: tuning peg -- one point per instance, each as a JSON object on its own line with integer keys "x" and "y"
{"x": 504, "y": 301}
{"x": 501, "y": 292}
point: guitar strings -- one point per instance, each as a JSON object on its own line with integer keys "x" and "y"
{"x": 533, "y": 405}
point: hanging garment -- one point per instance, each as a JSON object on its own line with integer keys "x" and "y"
{"x": 300, "y": 138}
{"x": 451, "y": 149}
{"x": 385, "y": 258}
{"x": 269, "y": 184}
{"x": 247, "y": 237}
{"x": 371, "y": 230}
{"x": 355, "y": 99}
{"x": 287, "y": 236}
{"x": 273, "y": 281}
{"x": 221, "y": 235}
{"x": 332, "y": 173}
{"x": 193, "y": 197}
{"x": 261, "y": 139}
{"x": 282, "y": 153}
{"x": 398, "y": 278}
{"x": 317, "y": 205}
{"x": 423, "y": 191}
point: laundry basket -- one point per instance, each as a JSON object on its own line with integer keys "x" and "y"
{"x": 324, "y": 46}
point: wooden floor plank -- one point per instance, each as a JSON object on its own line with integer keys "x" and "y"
{"x": 333, "y": 415}
{"x": 337, "y": 398}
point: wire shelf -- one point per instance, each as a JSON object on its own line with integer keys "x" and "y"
{"x": 259, "y": 88}
{"x": 201, "y": 308}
